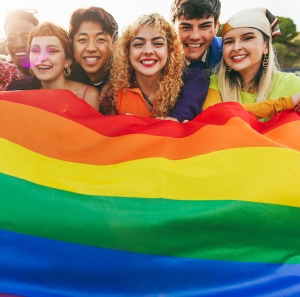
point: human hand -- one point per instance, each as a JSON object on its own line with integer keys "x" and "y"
{"x": 296, "y": 99}
{"x": 167, "y": 118}
{"x": 297, "y": 107}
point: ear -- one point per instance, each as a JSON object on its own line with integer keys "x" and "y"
{"x": 266, "y": 49}
{"x": 6, "y": 47}
{"x": 68, "y": 63}
{"x": 216, "y": 28}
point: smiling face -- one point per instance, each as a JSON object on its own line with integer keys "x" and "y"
{"x": 196, "y": 36}
{"x": 17, "y": 32}
{"x": 92, "y": 50}
{"x": 148, "y": 52}
{"x": 48, "y": 59}
{"x": 243, "y": 49}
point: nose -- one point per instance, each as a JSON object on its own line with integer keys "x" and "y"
{"x": 91, "y": 46}
{"x": 20, "y": 42}
{"x": 43, "y": 56}
{"x": 237, "y": 46}
{"x": 148, "y": 49}
{"x": 195, "y": 35}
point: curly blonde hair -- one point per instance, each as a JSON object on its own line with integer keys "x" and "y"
{"x": 122, "y": 72}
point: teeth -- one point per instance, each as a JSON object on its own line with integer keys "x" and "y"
{"x": 21, "y": 54}
{"x": 91, "y": 59}
{"x": 148, "y": 62}
{"x": 238, "y": 57}
{"x": 43, "y": 67}
{"x": 194, "y": 45}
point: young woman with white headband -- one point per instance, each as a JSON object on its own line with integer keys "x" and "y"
{"x": 248, "y": 72}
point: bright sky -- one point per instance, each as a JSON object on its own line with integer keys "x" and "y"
{"x": 124, "y": 12}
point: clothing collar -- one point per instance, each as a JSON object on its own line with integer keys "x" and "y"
{"x": 203, "y": 59}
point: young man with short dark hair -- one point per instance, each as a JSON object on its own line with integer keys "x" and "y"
{"x": 197, "y": 23}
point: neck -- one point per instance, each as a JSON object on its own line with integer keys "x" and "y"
{"x": 61, "y": 83}
{"x": 148, "y": 85}
{"x": 249, "y": 76}
{"x": 99, "y": 76}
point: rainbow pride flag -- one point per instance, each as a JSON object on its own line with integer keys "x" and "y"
{"x": 127, "y": 206}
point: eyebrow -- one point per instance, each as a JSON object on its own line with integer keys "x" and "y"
{"x": 247, "y": 33}
{"x": 49, "y": 45}
{"x": 98, "y": 33}
{"x": 189, "y": 24}
{"x": 154, "y": 38}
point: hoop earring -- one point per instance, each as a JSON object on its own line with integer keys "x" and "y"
{"x": 67, "y": 71}
{"x": 265, "y": 61}
{"x": 31, "y": 71}
{"x": 228, "y": 70}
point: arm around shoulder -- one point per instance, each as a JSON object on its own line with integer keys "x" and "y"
{"x": 192, "y": 96}
{"x": 269, "y": 108}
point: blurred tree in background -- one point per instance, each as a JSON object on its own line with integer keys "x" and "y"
{"x": 287, "y": 29}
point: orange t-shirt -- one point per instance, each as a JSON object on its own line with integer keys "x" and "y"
{"x": 131, "y": 100}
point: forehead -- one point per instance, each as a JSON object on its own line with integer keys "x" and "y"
{"x": 148, "y": 31}
{"x": 46, "y": 41}
{"x": 18, "y": 26}
{"x": 89, "y": 27}
{"x": 236, "y": 32}
{"x": 193, "y": 22}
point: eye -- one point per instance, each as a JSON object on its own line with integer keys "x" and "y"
{"x": 138, "y": 45}
{"x": 227, "y": 42}
{"x": 100, "y": 40}
{"x": 81, "y": 40}
{"x": 248, "y": 38}
{"x": 208, "y": 26}
{"x": 34, "y": 50}
{"x": 183, "y": 27}
{"x": 158, "y": 44}
{"x": 53, "y": 51}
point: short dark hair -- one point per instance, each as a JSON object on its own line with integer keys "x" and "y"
{"x": 21, "y": 14}
{"x": 195, "y": 9}
{"x": 94, "y": 14}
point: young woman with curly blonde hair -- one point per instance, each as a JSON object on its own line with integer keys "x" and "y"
{"x": 147, "y": 72}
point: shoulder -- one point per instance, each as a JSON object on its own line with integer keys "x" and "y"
{"x": 287, "y": 80}
{"x": 8, "y": 68}
{"x": 286, "y": 77}
{"x": 284, "y": 84}
{"x": 217, "y": 42}
{"x": 90, "y": 94}
{"x": 214, "y": 82}
{"x": 192, "y": 73}
{"x": 91, "y": 90}
{"x": 27, "y": 83}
